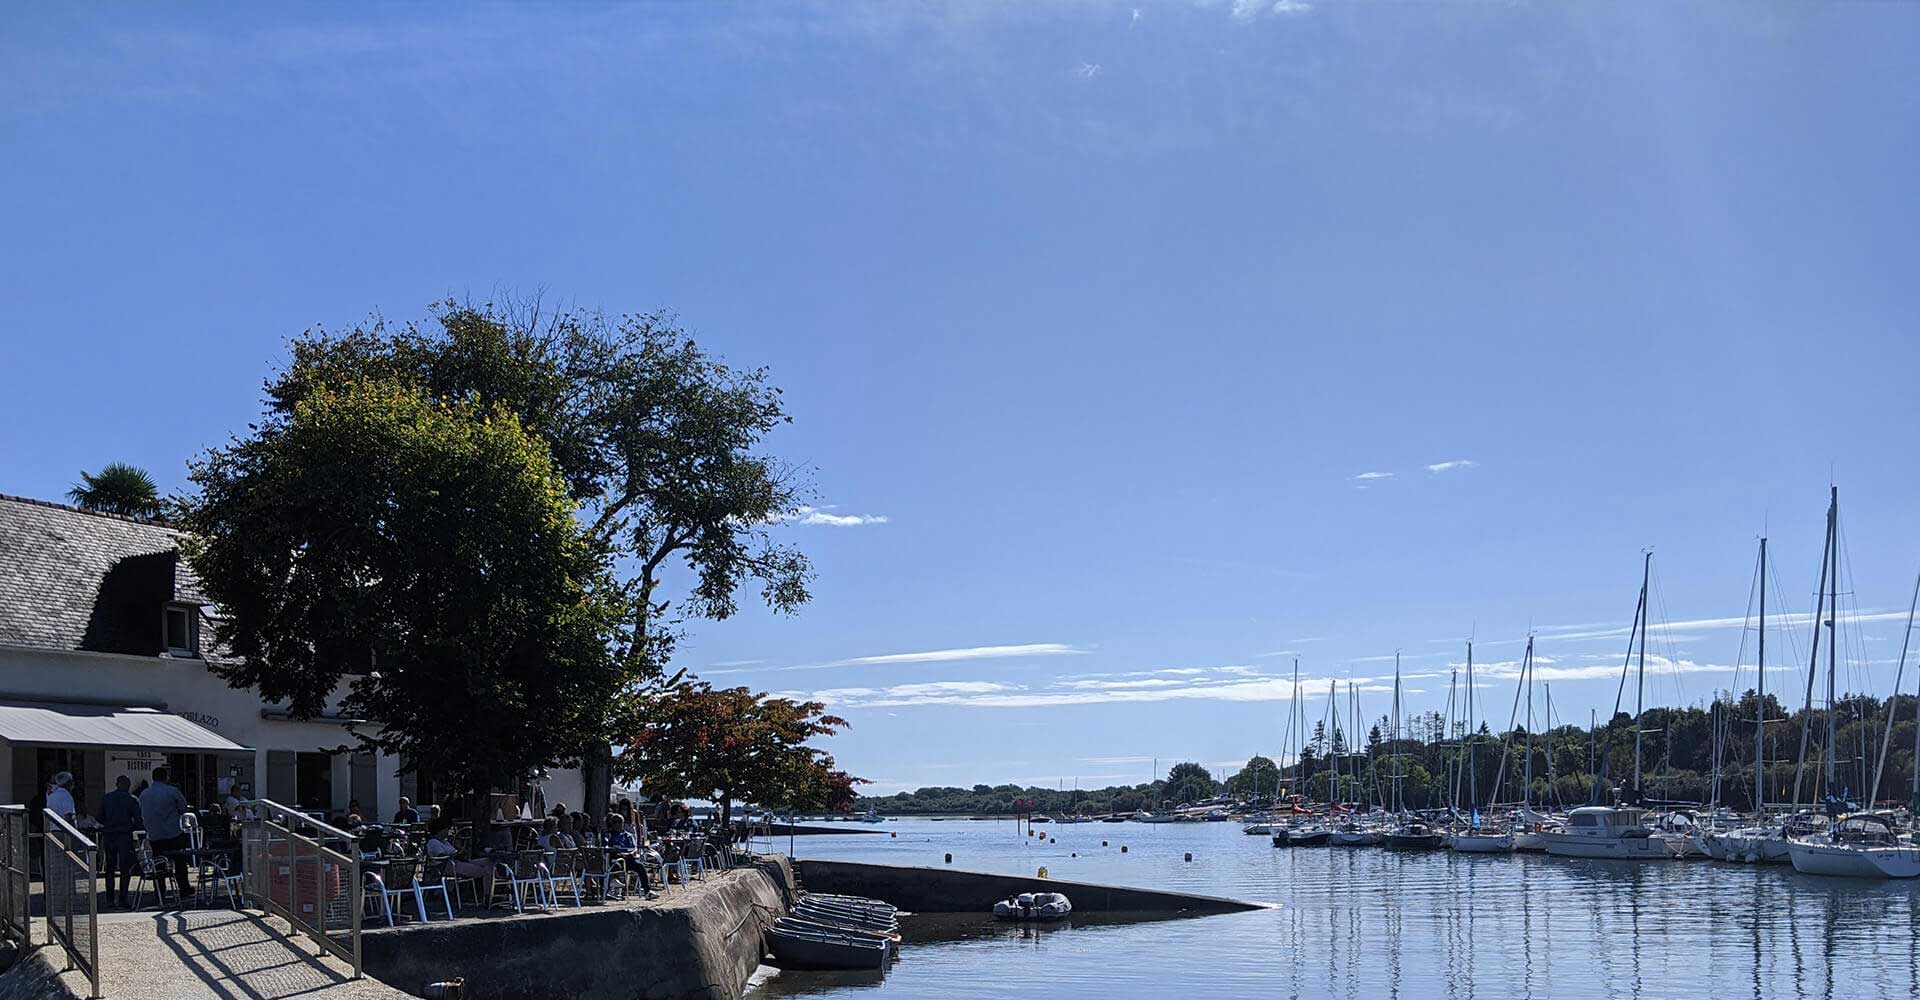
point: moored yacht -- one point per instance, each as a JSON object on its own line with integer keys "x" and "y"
{"x": 1863, "y": 845}
{"x": 1613, "y": 832}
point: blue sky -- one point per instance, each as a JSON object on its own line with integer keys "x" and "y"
{"x": 1091, "y": 315}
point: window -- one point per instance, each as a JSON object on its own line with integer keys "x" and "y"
{"x": 182, "y": 630}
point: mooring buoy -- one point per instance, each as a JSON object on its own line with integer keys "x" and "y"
{"x": 1189, "y": 855}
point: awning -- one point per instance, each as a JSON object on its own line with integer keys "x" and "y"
{"x": 124, "y": 726}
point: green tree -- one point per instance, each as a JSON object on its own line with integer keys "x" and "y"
{"x": 118, "y": 488}
{"x": 656, "y": 440}
{"x": 727, "y": 743}
{"x": 1188, "y": 782}
{"x": 1260, "y": 776}
{"x": 420, "y": 561}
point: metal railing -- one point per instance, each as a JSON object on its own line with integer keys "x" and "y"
{"x": 16, "y": 877}
{"x": 72, "y": 884}
{"x": 305, "y": 872}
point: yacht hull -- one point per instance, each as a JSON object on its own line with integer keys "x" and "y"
{"x": 1574, "y": 845}
{"x": 1837, "y": 861}
{"x": 1481, "y": 843}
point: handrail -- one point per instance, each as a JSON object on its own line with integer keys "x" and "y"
{"x": 16, "y": 876}
{"x": 301, "y": 879}
{"x": 73, "y": 851}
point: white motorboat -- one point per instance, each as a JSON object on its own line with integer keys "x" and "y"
{"x": 1033, "y": 906}
{"x": 1261, "y": 829}
{"x": 1863, "y": 845}
{"x": 1610, "y": 832}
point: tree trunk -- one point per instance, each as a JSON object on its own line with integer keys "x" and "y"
{"x": 597, "y": 775}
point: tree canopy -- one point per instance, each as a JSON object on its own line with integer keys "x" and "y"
{"x": 1260, "y": 776}
{"x": 656, "y": 443}
{"x": 118, "y": 488}
{"x": 730, "y": 743}
{"x": 418, "y": 558}
{"x": 1189, "y": 782}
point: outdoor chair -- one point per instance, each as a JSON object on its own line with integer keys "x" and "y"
{"x": 563, "y": 871}
{"x": 598, "y": 869}
{"x": 397, "y": 879}
{"x": 434, "y": 877}
{"x": 525, "y": 874}
{"x": 151, "y": 874}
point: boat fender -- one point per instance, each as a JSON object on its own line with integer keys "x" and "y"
{"x": 949, "y": 859}
{"x": 1043, "y": 871}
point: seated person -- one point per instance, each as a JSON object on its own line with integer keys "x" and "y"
{"x": 548, "y": 838}
{"x": 406, "y": 813}
{"x": 440, "y": 845}
{"x": 620, "y": 842}
{"x": 563, "y": 838}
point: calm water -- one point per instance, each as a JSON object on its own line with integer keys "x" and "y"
{"x": 1364, "y": 923}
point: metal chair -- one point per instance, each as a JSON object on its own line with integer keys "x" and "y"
{"x": 152, "y": 873}
{"x": 527, "y": 870}
{"x": 398, "y": 879}
{"x": 434, "y": 877}
{"x": 563, "y": 870}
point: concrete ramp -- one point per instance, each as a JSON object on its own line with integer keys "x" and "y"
{"x": 952, "y": 890}
{"x": 196, "y": 955}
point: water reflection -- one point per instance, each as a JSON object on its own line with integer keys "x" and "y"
{"x": 1363, "y": 923}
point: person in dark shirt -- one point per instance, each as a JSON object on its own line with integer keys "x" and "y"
{"x": 119, "y": 815}
{"x": 406, "y": 813}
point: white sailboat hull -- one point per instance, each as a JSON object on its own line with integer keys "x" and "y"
{"x": 1746, "y": 846}
{"x": 1529, "y": 840}
{"x": 1481, "y": 843}
{"x": 1840, "y": 861}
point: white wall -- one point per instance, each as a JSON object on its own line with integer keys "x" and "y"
{"x": 186, "y": 687}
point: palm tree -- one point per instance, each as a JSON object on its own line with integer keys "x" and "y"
{"x": 118, "y": 488}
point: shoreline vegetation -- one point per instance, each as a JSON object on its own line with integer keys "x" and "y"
{"x": 1571, "y": 766}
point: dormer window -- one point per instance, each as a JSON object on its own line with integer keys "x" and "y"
{"x": 182, "y": 627}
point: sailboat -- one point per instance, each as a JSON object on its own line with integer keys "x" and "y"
{"x": 1863, "y": 844}
{"x": 1618, "y": 832}
{"x": 1476, "y": 838}
{"x": 1761, "y": 842}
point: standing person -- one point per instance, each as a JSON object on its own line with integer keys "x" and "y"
{"x": 161, "y": 807}
{"x": 60, "y": 796}
{"x": 119, "y": 815}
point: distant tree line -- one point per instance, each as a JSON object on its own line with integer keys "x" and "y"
{"x": 1435, "y": 764}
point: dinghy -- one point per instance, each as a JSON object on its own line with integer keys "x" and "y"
{"x": 798, "y": 945}
{"x": 1033, "y": 906}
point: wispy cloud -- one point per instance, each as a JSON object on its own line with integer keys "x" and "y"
{"x": 1368, "y": 476}
{"x": 1458, "y": 463}
{"x": 928, "y": 656}
{"x": 825, "y": 516}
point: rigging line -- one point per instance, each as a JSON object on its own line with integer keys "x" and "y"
{"x": 1886, "y": 740}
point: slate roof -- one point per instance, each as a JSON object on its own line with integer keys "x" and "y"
{"x": 77, "y": 580}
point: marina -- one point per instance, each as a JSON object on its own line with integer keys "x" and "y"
{"x": 1386, "y": 923}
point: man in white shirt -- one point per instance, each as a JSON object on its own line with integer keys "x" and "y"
{"x": 60, "y": 796}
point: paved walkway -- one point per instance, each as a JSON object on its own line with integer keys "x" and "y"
{"x": 215, "y": 955}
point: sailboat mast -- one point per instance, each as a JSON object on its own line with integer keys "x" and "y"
{"x": 1813, "y": 658}
{"x": 1473, "y": 784}
{"x": 1393, "y": 730}
{"x": 1640, "y": 685}
{"x": 1526, "y": 790}
{"x": 1833, "y": 618}
{"x": 1760, "y": 705}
